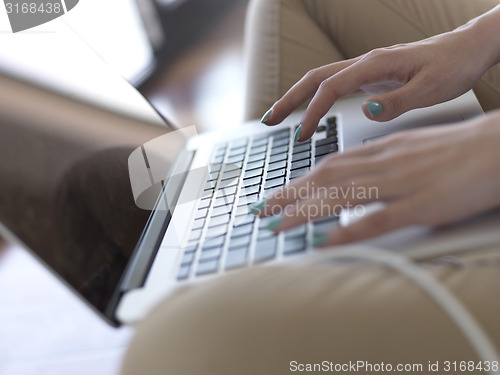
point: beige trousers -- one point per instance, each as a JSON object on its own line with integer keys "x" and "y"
{"x": 273, "y": 320}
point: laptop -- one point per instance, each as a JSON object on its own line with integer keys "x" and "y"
{"x": 125, "y": 211}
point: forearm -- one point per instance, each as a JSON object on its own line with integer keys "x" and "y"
{"x": 484, "y": 32}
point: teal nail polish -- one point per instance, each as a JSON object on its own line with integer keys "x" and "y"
{"x": 257, "y": 207}
{"x": 374, "y": 107}
{"x": 266, "y": 116}
{"x": 298, "y": 132}
{"x": 319, "y": 239}
{"x": 274, "y": 222}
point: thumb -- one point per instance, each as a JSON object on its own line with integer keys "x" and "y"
{"x": 388, "y": 106}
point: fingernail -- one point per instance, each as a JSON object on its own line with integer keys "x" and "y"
{"x": 274, "y": 222}
{"x": 319, "y": 239}
{"x": 257, "y": 207}
{"x": 298, "y": 132}
{"x": 266, "y": 116}
{"x": 375, "y": 108}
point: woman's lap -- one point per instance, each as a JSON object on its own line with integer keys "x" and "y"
{"x": 260, "y": 320}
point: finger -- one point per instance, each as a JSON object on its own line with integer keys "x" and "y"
{"x": 302, "y": 91}
{"x": 388, "y": 106}
{"x": 394, "y": 216}
{"x": 345, "y": 82}
{"x": 331, "y": 203}
{"x": 304, "y": 187}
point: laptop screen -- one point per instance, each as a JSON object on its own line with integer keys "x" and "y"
{"x": 65, "y": 189}
{"x": 65, "y": 186}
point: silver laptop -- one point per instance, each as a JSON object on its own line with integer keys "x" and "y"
{"x": 211, "y": 231}
{"x": 125, "y": 211}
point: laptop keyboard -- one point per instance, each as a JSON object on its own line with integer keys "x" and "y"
{"x": 224, "y": 235}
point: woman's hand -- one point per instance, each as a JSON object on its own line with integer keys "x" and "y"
{"x": 428, "y": 176}
{"x": 417, "y": 75}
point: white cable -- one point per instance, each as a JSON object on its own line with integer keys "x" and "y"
{"x": 455, "y": 310}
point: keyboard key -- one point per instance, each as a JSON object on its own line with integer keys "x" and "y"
{"x": 294, "y": 246}
{"x": 271, "y": 191}
{"x": 244, "y": 220}
{"x": 332, "y": 121}
{"x": 218, "y": 159}
{"x": 277, "y": 165}
{"x": 325, "y": 225}
{"x": 274, "y": 182}
{"x": 331, "y": 133}
{"x": 301, "y": 164}
{"x": 239, "y": 142}
{"x": 301, "y": 156}
{"x": 213, "y": 176}
{"x": 265, "y": 233}
{"x": 205, "y": 268}
{"x": 201, "y": 213}
{"x": 219, "y": 154}
{"x": 280, "y": 142}
{"x": 207, "y": 193}
{"x": 215, "y": 232}
{"x": 210, "y": 185}
{"x": 265, "y": 249}
{"x": 298, "y": 172}
{"x": 183, "y": 273}
{"x": 255, "y": 164}
{"x": 242, "y": 210}
{"x": 242, "y": 230}
{"x": 326, "y": 141}
{"x": 307, "y": 141}
{"x": 226, "y": 191}
{"x": 218, "y": 220}
{"x": 317, "y": 159}
{"x": 256, "y": 157}
{"x": 301, "y": 148}
{"x": 299, "y": 231}
{"x": 264, "y": 222}
{"x": 252, "y": 181}
{"x": 261, "y": 150}
{"x": 260, "y": 141}
{"x": 278, "y": 157}
{"x": 235, "y": 159}
{"x": 254, "y": 173}
{"x": 236, "y": 258}
{"x": 224, "y": 201}
{"x": 237, "y": 150}
{"x": 228, "y": 182}
{"x": 276, "y": 173}
{"x": 188, "y": 258}
{"x": 239, "y": 242}
{"x": 191, "y": 249}
{"x": 249, "y": 199}
{"x": 215, "y": 167}
{"x": 320, "y": 128}
{"x": 210, "y": 254}
{"x": 198, "y": 224}
{"x": 221, "y": 210}
{"x": 221, "y": 149}
{"x": 326, "y": 149}
{"x": 233, "y": 165}
{"x": 213, "y": 242}
{"x": 279, "y": 150}
{"x": 231, "y": 174}
{"x": 249, "y": 190}
{"x": 285, "y": 133}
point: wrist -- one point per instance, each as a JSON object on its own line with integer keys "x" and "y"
{"x": 483, "y": 31}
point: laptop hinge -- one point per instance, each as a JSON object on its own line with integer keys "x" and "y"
{"x": 158, "y": 222}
